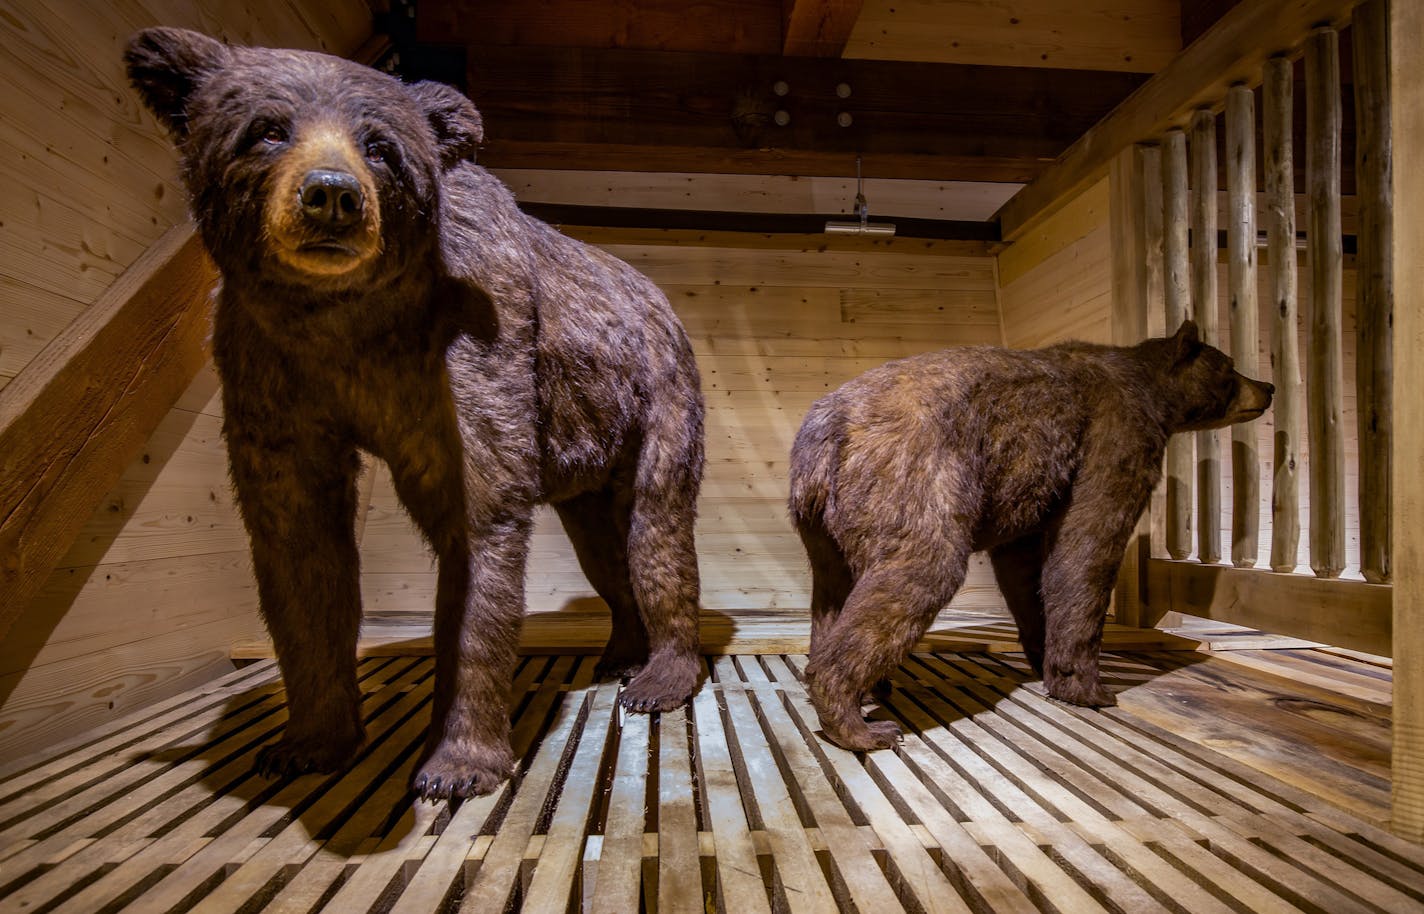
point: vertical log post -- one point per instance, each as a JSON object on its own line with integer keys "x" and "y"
{"x": 1374, "y": 313}
{"x": 1277, "y": 105}
{"x": 1324, "y": 371}
{"x": 1245, "y": 332}
{"x": 1203, "y": 257}
{"x": 1177, "y": 301}
{"x": 1406, "y": 71}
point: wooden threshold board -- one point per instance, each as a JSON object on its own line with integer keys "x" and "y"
{"x": 581, "y": 631}
{"x": 998, "y": 800}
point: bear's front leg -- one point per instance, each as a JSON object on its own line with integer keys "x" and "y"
{"x": 297, "y": 492}
{"x": 1084, "y": 552}
{"x": 479, "y": 609}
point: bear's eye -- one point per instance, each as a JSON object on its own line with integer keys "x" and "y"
{"x": 274, "y": 135}
{"x": 375, "y": 153}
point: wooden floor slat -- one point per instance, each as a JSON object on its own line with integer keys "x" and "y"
{"x": 998, "y": 800}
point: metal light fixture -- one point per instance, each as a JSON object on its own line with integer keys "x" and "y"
{"x": 862, "y": 210}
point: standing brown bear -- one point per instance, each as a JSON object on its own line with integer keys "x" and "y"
{"x": 1045, "y": 458}
{"x": 382, "y": 292}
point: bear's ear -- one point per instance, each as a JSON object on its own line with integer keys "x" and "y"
{"x": 459, "y": 130}
{"x": 165, "y": 65}
{"x": 1185, "y": 342}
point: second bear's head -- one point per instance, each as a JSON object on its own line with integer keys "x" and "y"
{"x": 303, "y": 168}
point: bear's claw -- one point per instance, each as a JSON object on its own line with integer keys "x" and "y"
{"x": 294, "y": 757}
{"x": 660, "y": 686}
{"x": 446, "y": 775}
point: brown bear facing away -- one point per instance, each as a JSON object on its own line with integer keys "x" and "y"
{"x": 1045, "y": 458}
{"x": 382, "y": 292}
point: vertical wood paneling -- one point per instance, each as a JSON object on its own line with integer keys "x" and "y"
{"x": 1324, "y": 373}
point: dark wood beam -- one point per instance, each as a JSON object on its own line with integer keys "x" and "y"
{"x": 818, "y": 28}
{"x": 665, "y": 111}
{"x": 75, "y": 417}
{"x": 731, "y": 26}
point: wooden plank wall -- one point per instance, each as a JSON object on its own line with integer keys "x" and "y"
{"x": 775, "y": 325}
{"x": 157, "y": 586}
{"x": 1056, "y": 281}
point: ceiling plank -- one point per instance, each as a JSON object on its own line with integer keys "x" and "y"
{"x": 818, "y": 28}
{"x": 626, "y": 110}
{"x": 1138, "y": 36}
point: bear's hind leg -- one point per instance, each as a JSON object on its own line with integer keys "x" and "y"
{"x": 1018, "y": 569}
{"x": 662, "y": 558}
{"x": 597, "y": 524}
{"x": 831, "y": 580}
{"x": 888, "y": 610}
{"x": 298, "y": 501}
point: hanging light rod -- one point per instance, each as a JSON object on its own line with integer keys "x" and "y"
{"x": 862, "y": 210}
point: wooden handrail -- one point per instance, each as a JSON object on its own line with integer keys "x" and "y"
{"x": 1349, "y": 614}
{"x": 82, "y": 410}
{"x": 1231, "y": 51}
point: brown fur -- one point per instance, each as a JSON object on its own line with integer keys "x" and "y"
{"x": 1045, "y": 458}
{"x": 382, "y": 292}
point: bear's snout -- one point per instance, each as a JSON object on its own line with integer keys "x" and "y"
{"x": 1252, "y": 399}
{"x": 331, "y": 199}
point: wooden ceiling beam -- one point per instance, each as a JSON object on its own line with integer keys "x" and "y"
{"x": 731, "y": 26}
{"x": 818, "y": 28}
{"x": 1231, "y": 51}
{"x": 571, "y": 108}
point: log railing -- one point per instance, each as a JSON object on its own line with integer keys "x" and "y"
{"x": 1175, "y": 115}
{"x": 1187, "y": 251}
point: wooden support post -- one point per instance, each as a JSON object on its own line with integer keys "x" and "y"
{"x": 1131, "y": 291}
{"x": 1324, "y": 371}
{"x": 1203, "y": 256}
{"x": 1406, "y": 69}
{"x": 1277, "y": 101}
{"x": 1374, "y": 284}
{"x": 1177, "y": 301}
{"x": 1245, "y": 330}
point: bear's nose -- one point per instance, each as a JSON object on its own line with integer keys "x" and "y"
{"x": 331, "y": 198}
{"x": 1270, "y": 388}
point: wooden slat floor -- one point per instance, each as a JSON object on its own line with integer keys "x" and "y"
{"x": 998, "y": 800}
{"x": 583, "y": 629}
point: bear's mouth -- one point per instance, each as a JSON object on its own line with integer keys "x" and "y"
{"x": 328, "y": 246}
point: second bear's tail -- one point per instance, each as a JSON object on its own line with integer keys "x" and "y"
{"x": 814, "y": 457}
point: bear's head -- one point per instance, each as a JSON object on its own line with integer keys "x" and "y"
{"x": 303, "y": 169}
{"x": 1204, "y": 385}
